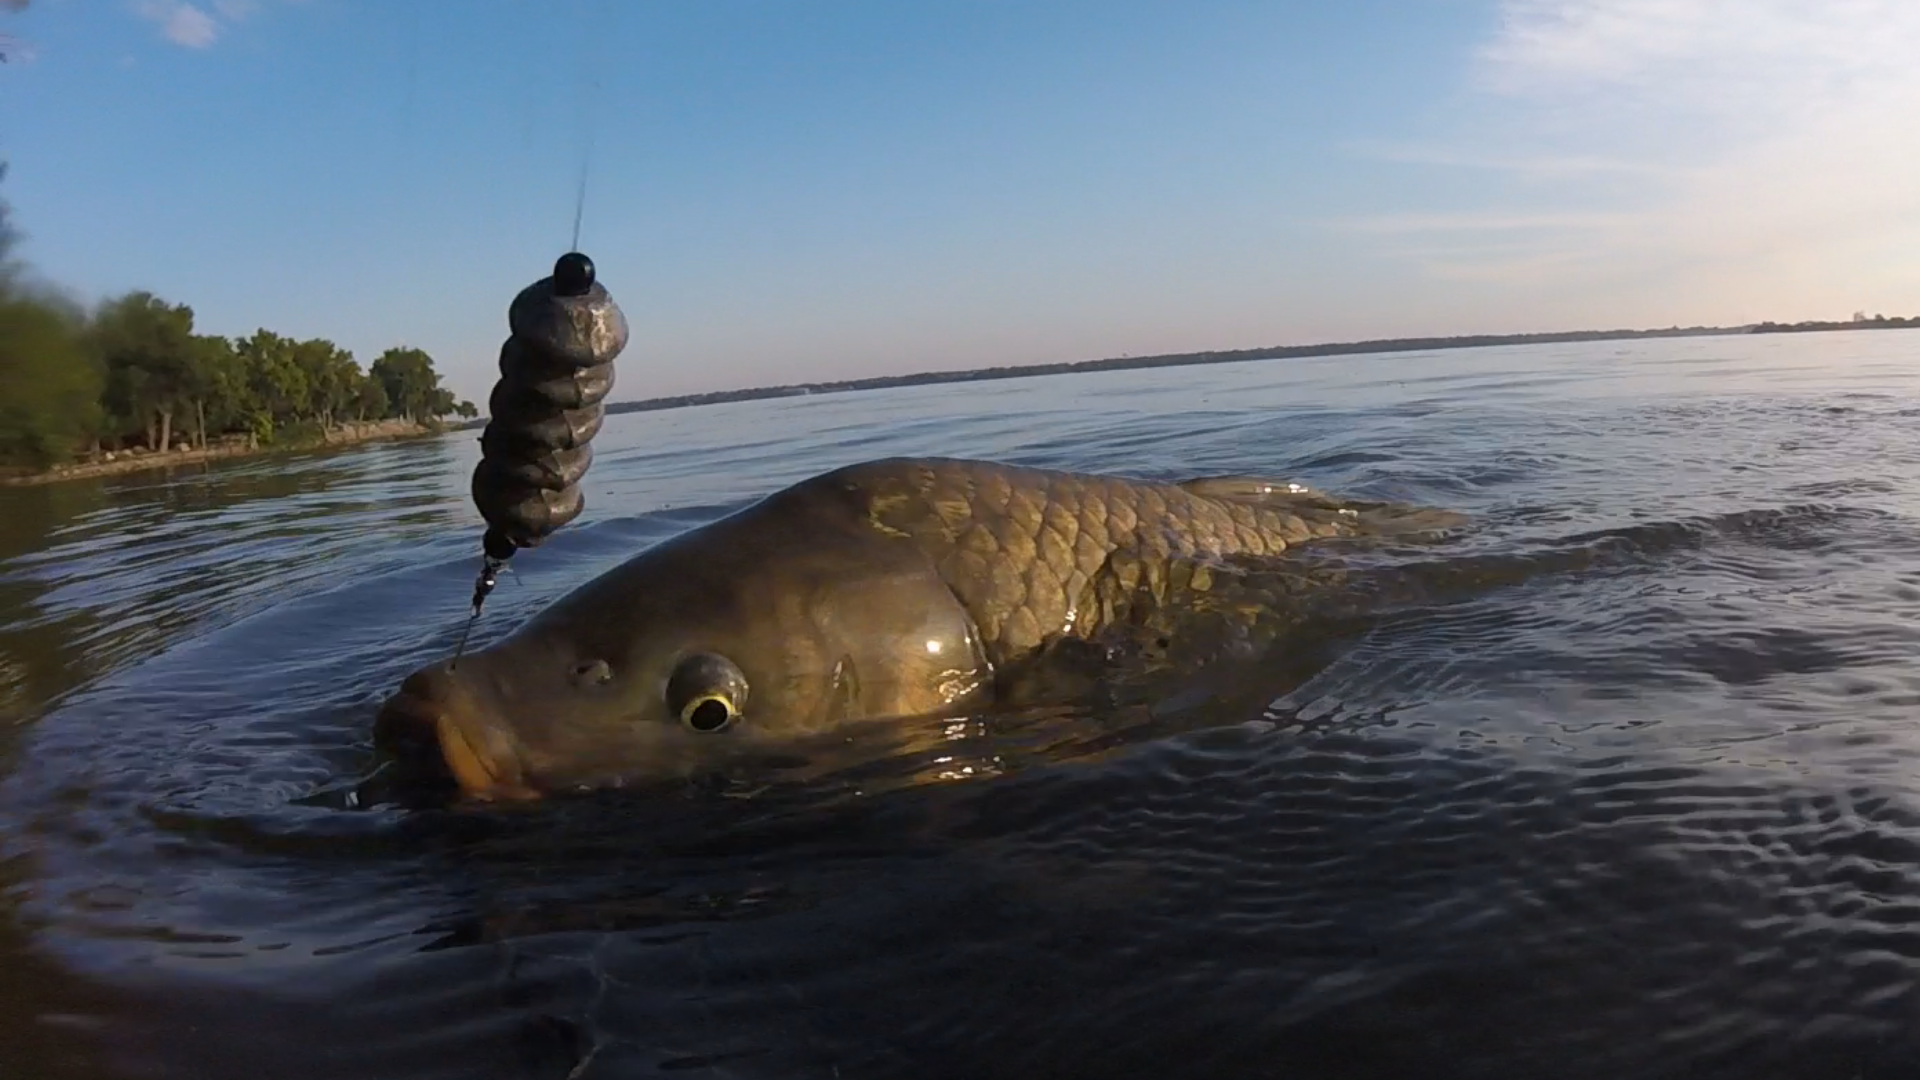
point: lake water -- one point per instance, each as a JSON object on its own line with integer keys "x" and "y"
{"x": 1660, "y": 818}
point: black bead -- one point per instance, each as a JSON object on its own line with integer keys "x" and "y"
{"x": 573, "y": 274}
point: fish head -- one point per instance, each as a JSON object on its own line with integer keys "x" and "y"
{"x": 696, "y": 657}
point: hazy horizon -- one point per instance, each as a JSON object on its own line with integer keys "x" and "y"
{"x": 782, "y": 194}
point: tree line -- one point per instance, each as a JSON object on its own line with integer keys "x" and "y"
{"x": 134, "y": 372}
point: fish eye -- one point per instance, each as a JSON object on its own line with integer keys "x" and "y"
{"x": 708, "y": 714}
{"x": 708, "y": 692}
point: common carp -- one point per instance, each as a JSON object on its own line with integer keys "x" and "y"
{"x": 900, "y": 588}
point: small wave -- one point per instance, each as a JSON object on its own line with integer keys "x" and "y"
{"x": 1645, "y": 795}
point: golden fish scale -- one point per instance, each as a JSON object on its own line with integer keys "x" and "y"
{"x": 1033, "y": 552}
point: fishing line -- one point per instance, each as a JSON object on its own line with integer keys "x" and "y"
{"x": 586, "y": 166}
{"x": 466, "y": 632}
{"x": 589, "y": 115}
{"x": 580, "y": 197}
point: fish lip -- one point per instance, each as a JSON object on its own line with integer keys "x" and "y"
{"x": 483, "y": 776}
{"x": 482, "y": 760}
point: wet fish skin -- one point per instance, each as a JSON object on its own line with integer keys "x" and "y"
{"x": 880, "y": 592}
{"x": 1033, "y": 553}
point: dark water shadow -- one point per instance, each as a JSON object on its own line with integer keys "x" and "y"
{"x": 1651, "y": 818}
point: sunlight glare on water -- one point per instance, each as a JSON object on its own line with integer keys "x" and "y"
{"x": 1660, "y": 817}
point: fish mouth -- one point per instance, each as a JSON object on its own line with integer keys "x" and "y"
{"x": 481, "y": 776}
{"x": 430, "y": 722}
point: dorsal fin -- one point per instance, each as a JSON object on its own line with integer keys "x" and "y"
{"x": 1256, "y": 489}
{"x": 1371, "y": 518}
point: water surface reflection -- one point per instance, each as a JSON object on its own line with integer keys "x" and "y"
{"x": 1657, "y": 817}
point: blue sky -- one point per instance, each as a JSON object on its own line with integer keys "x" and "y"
{"x": 786, "y": 190}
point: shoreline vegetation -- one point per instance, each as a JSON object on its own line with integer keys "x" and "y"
{"x": 225, "y": 448}
{"x": 130, "y": 385}
{"x": 1273, "y": 352}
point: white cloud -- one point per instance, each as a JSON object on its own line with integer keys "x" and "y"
{"x": 1715, "y": 55}
{"x": 1749, "y": 158}
{"x": 180, "y": 22}
{"x": 1541, "y": 165}
{"x": 183, "y": 23}
{"x": 1481, "y": 222}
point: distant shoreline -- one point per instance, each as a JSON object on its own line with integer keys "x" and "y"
{"x": 1276, "y": 352}
{"x": 132, "y": 461}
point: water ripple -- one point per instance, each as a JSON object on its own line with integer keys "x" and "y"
{"x": 1647, "y": 810}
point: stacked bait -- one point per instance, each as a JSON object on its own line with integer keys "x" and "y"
{"x": 556, "y": 369}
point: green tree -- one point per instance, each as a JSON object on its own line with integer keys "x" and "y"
{"x": 137, "y": 369}
{"x": 49, "y": 388}
{"x": 277, "y": 386}
{"x": 49, "y": 385}
{"x": 222, "y": 400}
{"x": 370, "y": 399}
{"x": 413, "y": 387}
{"x": 331, "y": 376}
{"x": 146, "y": 347}
{"x": 9, "y": 236}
